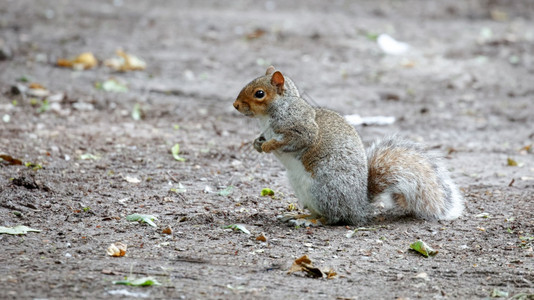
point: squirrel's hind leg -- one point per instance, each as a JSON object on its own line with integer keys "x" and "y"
{"x": 388, "y": 201}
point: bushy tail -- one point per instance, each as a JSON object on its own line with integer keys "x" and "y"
{"x": 402, "y": 174}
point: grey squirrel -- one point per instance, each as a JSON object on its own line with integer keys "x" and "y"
{"x": 328, "y": 168}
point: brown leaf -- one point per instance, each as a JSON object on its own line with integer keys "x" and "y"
{"x": 117, "y": 249}
{"x": 36, "y": 86}
{"x": 125, "y": 62}
{"x": 10, "y": 160}
{"x": 65, "y": 63}
{"x": 256, "y": 34}
{"x": 167, "y": 230}
{"x": 303, "y": 260}
{"x": 305, "y": 264}
{"x": 83, "y": 61}
{"x": 512, "y": 162}
{"x": 330, "y": 274}
{"x": 261, "y": 238}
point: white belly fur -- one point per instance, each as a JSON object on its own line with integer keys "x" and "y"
{"x": 300, "y": 179}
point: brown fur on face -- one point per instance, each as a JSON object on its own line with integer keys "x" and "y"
{"x": 251, "y": 102}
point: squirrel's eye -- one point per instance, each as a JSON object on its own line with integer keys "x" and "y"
{"x": 259, "y": 94}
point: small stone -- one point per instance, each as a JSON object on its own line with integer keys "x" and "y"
{"x": 422, "y": 275}
{"x": 41, "y": 58}
{"x": 56, "y": 97}
{"x": 56, "y": 107}
{"x": 236, "y": 163}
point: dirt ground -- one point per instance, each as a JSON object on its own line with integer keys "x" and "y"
{"x": 465, "y": 87}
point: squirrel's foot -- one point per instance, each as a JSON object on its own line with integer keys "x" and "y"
{"x": 301, "y": 220}
{"x": 305, "y": 222}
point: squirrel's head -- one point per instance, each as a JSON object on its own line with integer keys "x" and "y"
{"x": 256, "y": 97}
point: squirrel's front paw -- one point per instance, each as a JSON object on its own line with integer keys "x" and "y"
{"x": 258, "y": 142}
{"x": 269, "y": 146}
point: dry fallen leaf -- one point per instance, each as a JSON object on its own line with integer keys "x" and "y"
{"x": 261, "y": 238}
{"x": 259, "y": 32}
{"x": 117, "y": 249}
{"x": 36, "y": 86}
{"x": 83, "y": 61}
{"x": 305, "y": 264}
{"x": 10, "y": 160}
{"x": 125, "y": 62}
{"x": 37, "y": 90}
{"x": 512, "y": 162}
{"x": 527, "y": 149}
{"x": 330, "y": 274}
{"x": 167, "y": 230}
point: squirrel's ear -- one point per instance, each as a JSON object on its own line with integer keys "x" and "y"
{"x": 278, "y": 81}
{"x": 270, "y": 70}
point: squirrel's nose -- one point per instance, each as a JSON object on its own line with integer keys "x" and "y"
{"x": 236, "y": 105}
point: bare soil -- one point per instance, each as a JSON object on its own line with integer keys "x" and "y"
{"x": 465, "y": 88}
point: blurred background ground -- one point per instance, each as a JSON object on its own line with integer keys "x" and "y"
{"x": 464, "y": 87}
